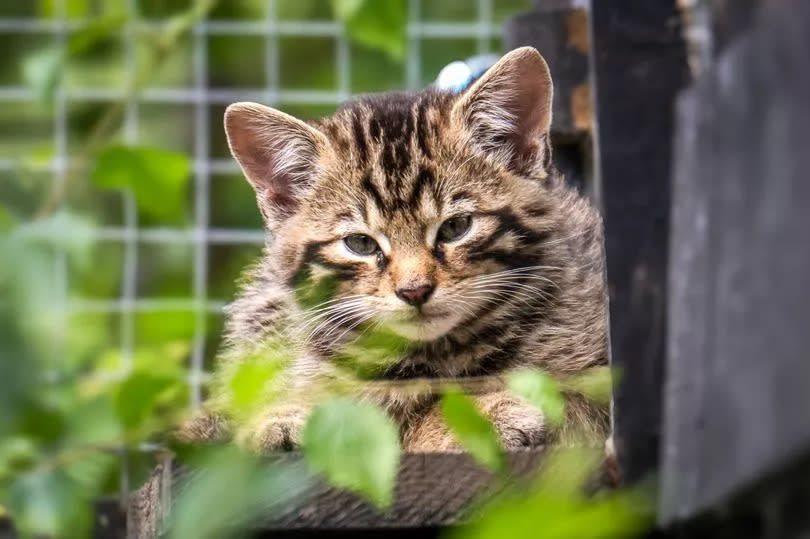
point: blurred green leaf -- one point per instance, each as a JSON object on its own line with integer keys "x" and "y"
{"x": 540, "y": 390}
{"x": 229, "y": 491}
{"x": 93, "y": 422}
{"x": 95, "y": 32}
{"x": 373, "y": 351}
{"x": 311, "y": 291}
{"x": 42, "y": 421}
{"x": 138, "y": 395}
{"x": 42, "y": 70}
{"x": 72, "y": 8}
{"x": 474, "y": 431}
{"x": 7, "y": 219}
{"x": 555, "y": 517}
{"x": 157, "y": 178}
{"x": 69, "y": 231}
{"x": 375, "y": 24}
{"x": 251, "y": 382}
{"x": 49, "y": 502}
{"x": 595, "y": 383}
{"x": 346, "y": 9}
{"x": 89, "y": 470}
{"x": 356, "y": 446}
{"x": 17, "y": 453}
{"x": 556, "y": 506}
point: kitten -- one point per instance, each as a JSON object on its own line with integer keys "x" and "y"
{"x": 441, "y": 215}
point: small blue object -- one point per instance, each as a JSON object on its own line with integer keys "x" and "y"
{"x": 458, "y": 75}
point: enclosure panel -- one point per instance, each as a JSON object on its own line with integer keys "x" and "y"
{"x": 739, "y": 411}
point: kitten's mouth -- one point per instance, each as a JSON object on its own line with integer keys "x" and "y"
{"x": 421, "y": 315}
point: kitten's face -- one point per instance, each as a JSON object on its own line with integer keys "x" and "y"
{"x": 412, "y": 248}
{"x": 426, "y": 208}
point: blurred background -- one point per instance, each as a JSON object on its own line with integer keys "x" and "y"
{"x": 79, "y": 77}
{"x": 125, "y": 221}
{"x": 125, "y": 224}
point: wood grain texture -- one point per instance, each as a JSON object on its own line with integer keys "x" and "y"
{"x": 738, "y": 389}
{"x": 639, "y": 64}
{"x": 433, "y": 489}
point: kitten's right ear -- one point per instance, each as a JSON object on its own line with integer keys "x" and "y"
{"x": 279, "y": 155}
{"x": 507, "y": 112}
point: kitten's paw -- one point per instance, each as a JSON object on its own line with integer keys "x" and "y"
{"x": 518, "y": 424}
{"x": 279, "y": 431}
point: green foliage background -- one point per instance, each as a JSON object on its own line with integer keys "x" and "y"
{"x": 84, "y": 390}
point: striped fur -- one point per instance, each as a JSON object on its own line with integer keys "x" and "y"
{"x": 524, "y": 287}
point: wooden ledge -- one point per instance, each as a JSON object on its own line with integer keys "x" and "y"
{"x": 433, "y": 489}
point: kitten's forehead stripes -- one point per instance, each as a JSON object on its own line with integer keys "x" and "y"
{"x": 359, "y": 140}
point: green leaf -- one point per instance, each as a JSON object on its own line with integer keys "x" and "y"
{"x": 71, "y": 232}
{"x": 7, "y": 219}
{"x": 311, "y": 291}
{"x": 93, "y": 421}
{"x": 42, "y": 70}
{"x": 373, "y": 351}
{"x": 356, "y": 446}
{"x": 595, "y": 383}
{"x": 556, "y": 504}
{"x": 376, "y": 24}
{"x": 230, "y": 491}
{"x": 49, "y": 503}
{"x": 91, "y": 470}
{"x": 95, "y": 32}
{"x": 474, "y": 431}
{"x": 540, "y": 390}
{"x": 138, "y": 395}
{"x": 157, "y": 178}
{"x": 17, "y": 453}
{"x": 346, "y": 9}
{"x": 251, "y": 382}
{"x": 613, "y": 516}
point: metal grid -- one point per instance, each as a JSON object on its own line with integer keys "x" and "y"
{"x": 202, "y": 235}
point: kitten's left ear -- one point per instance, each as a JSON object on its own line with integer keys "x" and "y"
{"x": 507, "y": 112}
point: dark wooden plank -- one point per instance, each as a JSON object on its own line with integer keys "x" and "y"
{"x": 639, "y": 64}
{"x": 730, "y": 19}
{"x": 433, "y": 490}
{"x": 739, "y": 390}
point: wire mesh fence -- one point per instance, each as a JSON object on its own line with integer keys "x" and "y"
{"x": 152, "y": 280}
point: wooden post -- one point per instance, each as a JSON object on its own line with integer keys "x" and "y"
{"x": 639, "y": 64}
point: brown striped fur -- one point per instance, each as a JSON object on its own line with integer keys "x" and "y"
{"x": 394, "y": 167}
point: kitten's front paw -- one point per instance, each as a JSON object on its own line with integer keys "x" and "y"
{"x": 280, "y": 430}
{"x": 518, "y": 424}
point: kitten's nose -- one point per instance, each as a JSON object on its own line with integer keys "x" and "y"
{"x": 416, "y": 295}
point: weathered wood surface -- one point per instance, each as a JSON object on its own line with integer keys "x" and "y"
{"x": 433, "y": 489}
{"x": 738, "y": 385}
{"x": 639, "y": 65}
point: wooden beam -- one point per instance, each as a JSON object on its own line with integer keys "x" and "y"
{"x": 639, "y": 64}
{"x": 738, "y": 391}
{"x": 433, "y": 489}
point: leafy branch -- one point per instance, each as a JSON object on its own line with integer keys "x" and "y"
{"x": 106, "y": 125}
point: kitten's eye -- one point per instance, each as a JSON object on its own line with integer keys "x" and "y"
{"x": 360, "y": 244}
{"x": 454, "y": 228}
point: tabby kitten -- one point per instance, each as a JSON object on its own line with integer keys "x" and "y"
{"x": 440, "y": 215}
